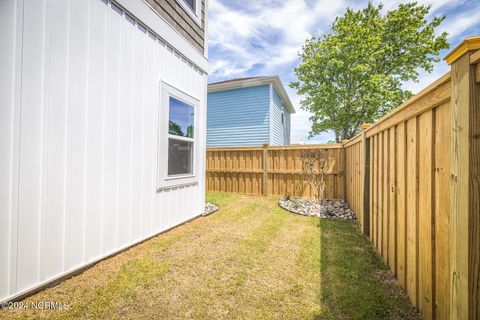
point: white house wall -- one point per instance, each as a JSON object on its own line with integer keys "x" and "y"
{"x": 79, "y": 103}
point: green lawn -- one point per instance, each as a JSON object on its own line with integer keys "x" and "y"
{"x": 250, "y": 260}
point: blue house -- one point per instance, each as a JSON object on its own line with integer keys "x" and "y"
{"x": 248, "y": 112}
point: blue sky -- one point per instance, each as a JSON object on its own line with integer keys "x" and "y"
{"x": 181, "y": 113}
{"x": 262, "y": 37}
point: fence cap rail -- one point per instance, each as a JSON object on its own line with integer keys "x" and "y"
{"x": 423, "y": 93}
{"x": 235, "y": 149}
{"x": 469, "y": 44}
{"x": 290, "y": 147}
{"x": 356, "y": 139}
{"x": 307, "y": 146}
{"x": 365, "y": 126}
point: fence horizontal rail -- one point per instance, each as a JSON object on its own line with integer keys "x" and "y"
{"x": 412, "y": 179}
{"x": 290, "y": 147}
{"x": 409, "y": 195}
{"x": 271, "y": 170}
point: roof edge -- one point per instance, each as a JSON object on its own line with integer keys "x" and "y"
{"x": 253, "y": 82}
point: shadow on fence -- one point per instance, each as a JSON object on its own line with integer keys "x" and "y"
{"x": 412, "y": 179}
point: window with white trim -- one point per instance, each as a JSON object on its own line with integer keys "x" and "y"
{"x": 176, "y": 138}
{"x": 180, "y": 137}
{"x": 191, "y": 4}
{"x": 193, "y": 8}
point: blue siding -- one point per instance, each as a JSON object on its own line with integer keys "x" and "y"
{"x": 238, "y": 117}
{"x": 280, "y": 132}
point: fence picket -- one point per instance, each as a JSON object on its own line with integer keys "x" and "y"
{"x": 411, "y": 178}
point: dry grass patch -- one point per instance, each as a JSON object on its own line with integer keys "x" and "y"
{"x": 250, "y": 260}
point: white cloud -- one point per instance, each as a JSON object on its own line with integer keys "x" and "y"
{"x": 262, "y": 37}
{"x": 247, "y": 35}
{"x": 226, "y": 68}
{"x": 241, "y": 38}
{"x": 426, "y": 78}
{"x": 462, "y": 22}
{"x": 436, "y": 4}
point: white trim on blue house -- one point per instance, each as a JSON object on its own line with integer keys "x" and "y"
{"x": 252, "y": 82}
{"x": 247, "y": 112}
{"x": 270, "y": 116}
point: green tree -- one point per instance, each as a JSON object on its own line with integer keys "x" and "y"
{"x": 354, "y": 74}
{"x": 175, "y": 128}
{"x": 190, "y": 131}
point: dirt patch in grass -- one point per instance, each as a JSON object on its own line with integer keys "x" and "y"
{"x": 249, "y": 260}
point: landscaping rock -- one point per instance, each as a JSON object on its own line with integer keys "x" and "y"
{"x": 328, "y": 209}
{"x": 210, "y": 208}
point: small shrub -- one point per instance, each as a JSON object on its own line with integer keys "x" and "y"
{"x": 295, "y": 204}
{"x": 329, "y": 212}
{"x": 316, "y": 164}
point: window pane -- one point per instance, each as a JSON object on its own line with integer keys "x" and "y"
{"x": 180, "y": 155}
{"x": 191, "y": 3}
{"x": 181, "y": 118}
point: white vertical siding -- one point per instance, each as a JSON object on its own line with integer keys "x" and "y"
{"x": 56, "y": 139}
{"x": 8, "y": 14}
{"x": 31, "y": 143}
{"x": 79, "y": 103}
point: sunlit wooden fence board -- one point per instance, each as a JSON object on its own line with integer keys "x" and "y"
{"x": 409, "y": 198}
{"x": 353, "y": 175}
{"x": 269, "y": 170}
{"x": 412, "y": 179}
{"x": 408, "y": 188}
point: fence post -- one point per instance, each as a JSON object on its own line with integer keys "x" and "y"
{"x": 465, "y": 182}
{"x": 265, "y": 170}
{"x": 343, "y": 157}
{"x": 365, "y": 180}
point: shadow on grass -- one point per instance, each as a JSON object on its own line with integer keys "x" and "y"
{"x": 355, "y": 283}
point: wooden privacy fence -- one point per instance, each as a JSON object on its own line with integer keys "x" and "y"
{"x": 269, "y": 170}
{"x": 413, "y": 179}
{"x": 408, "y": 153}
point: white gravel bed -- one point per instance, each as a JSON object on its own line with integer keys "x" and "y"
{"x": 210, "y": 208}
{"x": 329, "y": 209}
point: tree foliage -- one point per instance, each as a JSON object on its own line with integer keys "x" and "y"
{"x": 354, "y": 74}
{"x": 175, "y": 128}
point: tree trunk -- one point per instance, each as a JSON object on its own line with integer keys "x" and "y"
{"x": 337, "y": 137}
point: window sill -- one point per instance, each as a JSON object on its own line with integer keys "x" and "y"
{"x": 178, "y": 185}
{"x": 180, "y": 176}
